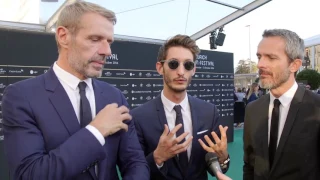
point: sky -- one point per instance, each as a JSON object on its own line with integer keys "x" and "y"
{"x": 166, "y": 18}
{"x": 300, "y": 16}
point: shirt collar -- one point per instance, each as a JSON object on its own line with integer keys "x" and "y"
{"x": 68, "y": 78}
{"x": 287, "y": 97}
{"x": 169, "y": 105}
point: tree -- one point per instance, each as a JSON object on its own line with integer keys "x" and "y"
{"x": 244, "y": 67}
{"x": 311, "y": 76}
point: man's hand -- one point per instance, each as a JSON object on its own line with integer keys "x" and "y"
{"x": 220, "y": 148}
{"x": 168, "y": 145}
{"x": 221, "y": 176}
{"x": 110, "y": 119}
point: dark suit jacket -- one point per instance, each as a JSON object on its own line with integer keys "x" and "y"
{"x": 149, "y": 121}
{"x": 298, "y": 152}
{"x": 43, "y": 138}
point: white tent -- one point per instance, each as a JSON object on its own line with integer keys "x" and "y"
{"x": 150, "y": 21}
{"x": 312, "y": 41}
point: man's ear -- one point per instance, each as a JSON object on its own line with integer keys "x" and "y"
{"x": 295, "y": 65}
{"x": 159, "y": 67}
{"x": 63, "y": 37}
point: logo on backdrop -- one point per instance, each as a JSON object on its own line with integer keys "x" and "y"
{"x": 204, "y": 63}
{"x": 113, "y": 59}
{"x": 32, "y": 72}
{"x": 2, "y": 71}
{"x": 143, "y": 83}
{"x": 18, "y": 71}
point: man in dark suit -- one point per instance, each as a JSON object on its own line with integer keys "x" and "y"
{"x": 66, "y": 125}
{"x": 281, "y": 131}
{"x": 170, "y": 125}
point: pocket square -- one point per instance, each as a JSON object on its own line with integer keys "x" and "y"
{"x": 201, "y": 132}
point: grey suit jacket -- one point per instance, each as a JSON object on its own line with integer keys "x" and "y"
{"x": 298, "y": 152}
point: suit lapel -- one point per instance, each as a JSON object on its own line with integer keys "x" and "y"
{"x": 194, "y": 119}
{"x": 263, "y": 129}
{"x": 101, "y": 101}
{"x": 160, "y": 111}
{"x": 61, "y": 102}
{"x": 293, "y": 110}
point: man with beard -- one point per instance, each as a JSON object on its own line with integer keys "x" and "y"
{"x": 281, "y": 132}
{"x": 66, "y": 125}
{"x": 170, "y": 126}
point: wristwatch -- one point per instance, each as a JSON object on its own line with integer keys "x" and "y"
{"x": 224, "y": 165}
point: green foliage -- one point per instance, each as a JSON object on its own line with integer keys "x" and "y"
{"x": 311, "y": 76}
{"x": 244, "y": 67}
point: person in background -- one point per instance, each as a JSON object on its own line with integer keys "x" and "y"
{"x": 253, "y": 93}
{"x": 308, "y": 87}
{"x": 244, "y": 90}
{"x": 240, "y": 95}
{"x": 239, "y": 108}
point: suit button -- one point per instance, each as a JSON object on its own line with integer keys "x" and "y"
{"x": 84, "y": 171}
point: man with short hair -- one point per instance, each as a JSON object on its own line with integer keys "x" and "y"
{"x": 65, "y": 124}
{"x": 172, "y": 127}
{"x": 281, "y": 132}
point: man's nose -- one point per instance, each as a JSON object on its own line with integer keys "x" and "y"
{"x": 180, "y": 69}
{"x": 105, "y": 48}
{"x": 261, "y": 63}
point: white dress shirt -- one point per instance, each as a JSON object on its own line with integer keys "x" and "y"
{"x": 171, "y": 116}
{"x": 240, "y": 96}
{"x": 285, "y": 100}
{"x": 70, "y": 84}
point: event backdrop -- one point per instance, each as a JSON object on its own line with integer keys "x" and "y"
{"x": 131, "y": 68}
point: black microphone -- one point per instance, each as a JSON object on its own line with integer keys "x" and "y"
{"x": 213, "y": 163}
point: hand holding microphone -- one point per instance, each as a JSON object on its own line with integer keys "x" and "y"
{"x": 213, "y": 163}
{"x": 221, "y": 176}
{"x": 214, "y": 166}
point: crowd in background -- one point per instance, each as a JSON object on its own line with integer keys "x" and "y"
{"x": 243, "y": 96}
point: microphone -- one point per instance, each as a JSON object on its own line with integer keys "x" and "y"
{"x": 213, "y": 163}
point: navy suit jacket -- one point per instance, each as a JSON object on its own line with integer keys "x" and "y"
{"x": 43, "y": 138}
{"x": 149, "y": 120}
